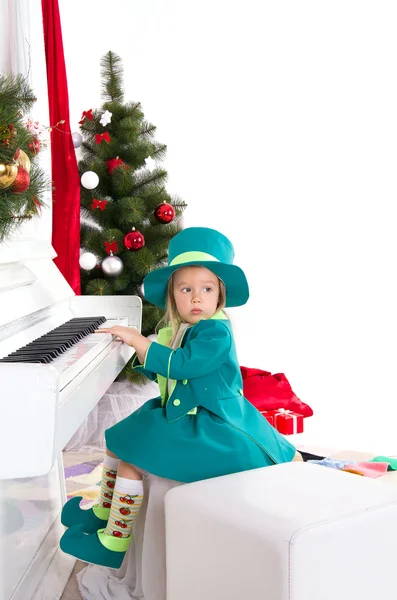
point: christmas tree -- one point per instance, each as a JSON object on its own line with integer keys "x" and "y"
{"x": 127, "y": 216}
{"x": 22, "y": 181}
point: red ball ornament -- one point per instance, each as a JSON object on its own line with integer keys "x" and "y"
{"x": 113, "y": 163}
{"x": 134, "y": 240}
{"x": 164, "y": 213}
{"x": 34, "y": 146}
{"x": 21, "y": 182}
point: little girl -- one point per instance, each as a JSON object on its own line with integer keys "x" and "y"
{"x": 201, "y": 426}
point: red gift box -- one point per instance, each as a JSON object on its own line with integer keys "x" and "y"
{"x": 287, "y": 422}
{"x": 268, "y": 414}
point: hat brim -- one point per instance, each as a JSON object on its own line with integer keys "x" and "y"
{"x": 237, "y": 291}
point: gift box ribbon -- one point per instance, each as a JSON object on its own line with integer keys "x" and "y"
{"x": 285, "y": 412}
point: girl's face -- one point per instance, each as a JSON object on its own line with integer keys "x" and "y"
{"x": 196, "y": 293}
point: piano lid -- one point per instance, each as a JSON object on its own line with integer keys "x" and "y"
{"x": 30, "y": 284}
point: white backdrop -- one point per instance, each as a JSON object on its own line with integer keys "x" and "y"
{"x": 280, "y": 121}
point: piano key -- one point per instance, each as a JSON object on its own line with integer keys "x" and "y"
{"x": 46, "y": 346}
{"x": 50, "y": 352}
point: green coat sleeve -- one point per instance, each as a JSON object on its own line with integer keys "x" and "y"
{"x": 204, "y": 353}
{"x": 141, "y": 369}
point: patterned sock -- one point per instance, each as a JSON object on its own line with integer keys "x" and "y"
{"x": 127, "y": 500}
{"x": 109, "y": 474}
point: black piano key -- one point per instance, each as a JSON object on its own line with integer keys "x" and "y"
{"x": 59, "y": 334}
{"x": 71, "y": 338}
{"x": 88, "y": 319}
{"x": 47, "y": 346}
{"x": 9, "y": 359}
{"x": 62, "y": 342}
{"x": 53, "y": 347}
{"x": 45, "y": 352}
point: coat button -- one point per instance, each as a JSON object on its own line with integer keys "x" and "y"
{"x": 176, "y": 402}
{"x": 241, "y": 392}
{"x": 184, "y": 381}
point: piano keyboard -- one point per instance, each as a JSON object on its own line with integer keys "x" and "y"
{"x": 54, "y": 343}
{"x": 69, "y": 348}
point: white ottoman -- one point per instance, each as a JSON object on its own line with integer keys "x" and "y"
{"x": 290, "y": 532}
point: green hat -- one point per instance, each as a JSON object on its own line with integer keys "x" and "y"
{"x": 202, "y": 247}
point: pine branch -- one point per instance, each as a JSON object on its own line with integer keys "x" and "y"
{"x": 100, "y": 287}
{"x": 112, "y": 77}
{"x": 134, "y": 109}
{"x": 142, "y": 262}
{"x": 147, "y": 130}
{"x": 159, "y": 151}
{"x": 130, "y": 127}
{"x": 135, "y": 152}
{"x": 130, "y": 374}
{"x": 129, "y": 211}
{"x": 88, "y": 220}
{"x": 16, "y": 92}
{"x": 89, "y": 151}
{"x": 147, "y": 178}
{"x": 122, "y": 183}
{"x": 120, "y": 283}
{"x": 151, "y": 315}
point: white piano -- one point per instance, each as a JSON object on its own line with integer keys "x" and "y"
{"x": 42, "y": 405}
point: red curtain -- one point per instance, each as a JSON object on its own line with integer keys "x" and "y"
{"x": 65, "y": 175}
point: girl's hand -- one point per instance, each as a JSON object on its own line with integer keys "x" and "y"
{"x": 130, "y": 336}
{"x": 126, "y": 334}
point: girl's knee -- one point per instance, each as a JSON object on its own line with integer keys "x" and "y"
{"x": 129, "y": 471}
{"x": 109, "y": 453}
{"x": 297, "y": 457}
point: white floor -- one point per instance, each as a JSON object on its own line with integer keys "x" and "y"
{"x": 71, "y": 591}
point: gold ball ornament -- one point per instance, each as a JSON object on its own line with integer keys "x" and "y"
{"x": 22, "y": 159}
{"x": 8, "y": 174}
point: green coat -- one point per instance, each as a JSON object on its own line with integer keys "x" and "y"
{"x": 206, "y": 428}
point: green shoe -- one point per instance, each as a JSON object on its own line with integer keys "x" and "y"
{"x": 92, "y": 519}
{"x": 97, "y": 548}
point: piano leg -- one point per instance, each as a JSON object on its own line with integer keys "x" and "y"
{"x": 33, "y": 566}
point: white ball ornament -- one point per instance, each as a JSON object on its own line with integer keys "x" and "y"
{"x": 87, "y": 261}
{"x": 112, "y": 266}
{"x": 77, "y": 139}
{"x": 89, "y": 180}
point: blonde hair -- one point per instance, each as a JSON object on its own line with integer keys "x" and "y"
{"x": 173, "y": 318}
